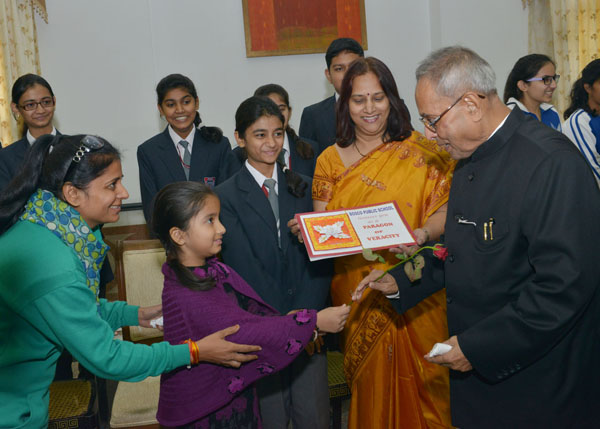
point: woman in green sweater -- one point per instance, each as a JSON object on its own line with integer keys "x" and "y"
{"x": 52, "y": 252}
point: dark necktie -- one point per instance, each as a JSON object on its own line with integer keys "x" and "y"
{"x": 187, "y": 158}
{"x": 272, "y": 197}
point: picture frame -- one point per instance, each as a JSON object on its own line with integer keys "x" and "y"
{"x": 294, "y": 27}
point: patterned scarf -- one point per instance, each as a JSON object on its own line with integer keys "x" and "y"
{"x": 44, "y": 209}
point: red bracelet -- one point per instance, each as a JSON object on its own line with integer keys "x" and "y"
{"x": 194, "y": 351}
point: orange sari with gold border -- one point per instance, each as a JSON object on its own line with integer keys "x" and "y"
{"x": 392, "y": 385}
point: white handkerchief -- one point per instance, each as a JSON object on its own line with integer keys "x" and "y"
{"x": 155, "y": 323}
{"x": 439, "y": 349}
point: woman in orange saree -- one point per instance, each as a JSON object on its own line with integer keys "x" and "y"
{"x": 376, "y": 161}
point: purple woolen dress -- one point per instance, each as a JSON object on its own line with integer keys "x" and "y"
{"x": 213, "y": 396}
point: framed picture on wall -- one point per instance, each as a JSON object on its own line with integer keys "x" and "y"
{"x": 291, "y": 27}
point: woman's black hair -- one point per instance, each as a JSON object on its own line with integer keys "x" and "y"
{"x": 175, "y": 206}
{"x": 50, "y": 170}
{"x": 525, "y": 68}
{"x": 398, "y": 125}
{"x": 22, "y": 84}
{"x": 579, "y": 96}
{"x": 304, "y": 149}
{"x": 248, "y": 113}
{"x": 176, "y": 80}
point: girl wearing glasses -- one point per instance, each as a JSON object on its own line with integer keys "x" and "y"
{"x": 52, "y": 252}
{"x": 582, "y": 120}
{"x": 33, "y": 105}
{"x": 530, "y": 86}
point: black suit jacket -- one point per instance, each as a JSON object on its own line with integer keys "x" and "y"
{"x": 525, "y": 306}
{"x": 318, "y": 123}
{"x": 159, "y": 165}
{"x": 284, "y": 277}
{"x": 298, "y": 164}
{"x": 11, "y": 158}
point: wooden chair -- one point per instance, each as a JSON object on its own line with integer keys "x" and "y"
{"x": 140, "y": 281}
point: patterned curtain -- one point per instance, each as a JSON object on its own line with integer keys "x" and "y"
{"x": 566, "y": 31}
{"x": 18, "y": 55}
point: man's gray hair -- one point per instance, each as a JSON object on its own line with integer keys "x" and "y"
{"x": 456, "y": 70}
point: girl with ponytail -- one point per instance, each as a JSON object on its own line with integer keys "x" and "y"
{"x": 257, "y": 204}
{"x": 52, "y": 252}
{"x": 202, "y": 294}
{"x": 582, "y": 123}
{"x": 530, "y": 85}
{"x": 186, "y": 149}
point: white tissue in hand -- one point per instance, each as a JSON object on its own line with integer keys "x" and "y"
{"x": 155, "y": 323}
{"x": 439, "y": 349}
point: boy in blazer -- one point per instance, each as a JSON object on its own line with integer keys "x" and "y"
{"x": 318, "y": 120}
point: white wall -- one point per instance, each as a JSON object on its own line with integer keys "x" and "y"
{"x": 103, "y": 59}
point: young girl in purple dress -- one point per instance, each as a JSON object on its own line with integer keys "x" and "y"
{"x": 202, "y": 295}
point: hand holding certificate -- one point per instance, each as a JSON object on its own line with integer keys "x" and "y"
{"x": 346, "y": 232}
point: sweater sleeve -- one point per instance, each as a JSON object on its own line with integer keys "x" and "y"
{"x": 282, "y": 338}
{"x": 119, "y": 313}
{"x": 70, "y": 316}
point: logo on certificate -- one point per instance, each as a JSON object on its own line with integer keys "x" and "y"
{"x": 331, "y": 232}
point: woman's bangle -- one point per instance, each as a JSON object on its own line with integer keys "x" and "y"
{"x": 194, "y": 351}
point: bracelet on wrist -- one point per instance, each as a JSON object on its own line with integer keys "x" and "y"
{"x": 194, "y": 351}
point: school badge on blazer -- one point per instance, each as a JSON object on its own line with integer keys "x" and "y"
{"x": 210, "y": 181}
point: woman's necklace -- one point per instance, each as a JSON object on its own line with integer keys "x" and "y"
{"x": 356, "y": 147}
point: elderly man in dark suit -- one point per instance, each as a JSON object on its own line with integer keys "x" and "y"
{"x": 522, "y": 270}
{"x": 318, "y": 120}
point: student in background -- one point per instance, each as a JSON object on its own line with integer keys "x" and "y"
{"x": 201, "y": 295}
{"x": 530, "y": 86}
{"x": 185, "y": 150}
{"x": 34, "y": 101}
{"x": 256, "y": 205}
{"x": 299, "y": 154}
{"x": 582, "y": 123}
{"x": 318, "y": 120}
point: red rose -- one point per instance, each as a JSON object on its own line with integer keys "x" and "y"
{"x": 441, "y": 253}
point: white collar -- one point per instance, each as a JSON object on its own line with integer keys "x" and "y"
{"x": 32, "y": 139}
{"x": 177, "y": 138}
{"x": 498, "y": 127}
{"x": 513, "y": 101}
{"x": 259, "y": 177}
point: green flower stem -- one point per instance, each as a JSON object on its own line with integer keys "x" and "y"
{"x": 434, "y": 248}
{"x": 406, "y": 260}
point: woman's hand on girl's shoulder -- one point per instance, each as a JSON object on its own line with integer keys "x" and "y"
{"x": 333, "y": 319}
{"x": 216, "y": 349}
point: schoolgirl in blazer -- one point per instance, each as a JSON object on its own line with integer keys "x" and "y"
{"x": 162, "y": 158}
{"x": 261, "y": 248}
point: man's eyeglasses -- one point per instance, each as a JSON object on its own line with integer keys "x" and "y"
{"x": 546, "y": 79}
{"x": 46, "y": 103}
{"x": 430, "y": 123}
